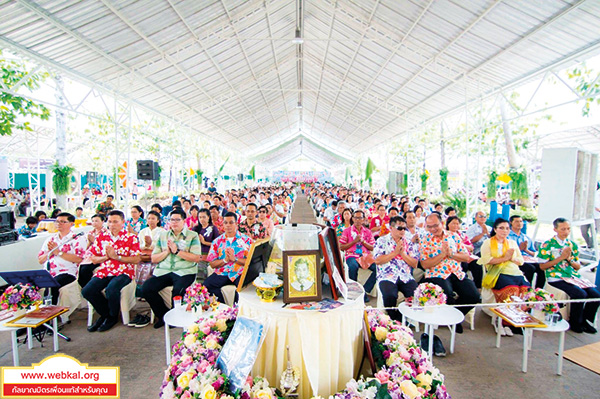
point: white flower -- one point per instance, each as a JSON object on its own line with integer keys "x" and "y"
{"x": 168, "y": 391}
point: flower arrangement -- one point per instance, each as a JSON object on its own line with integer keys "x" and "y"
{"x": 197, "y": 297}
{"x": 428, "y": 294}
{"x": 534, "y": 296}
{"x": 19, "y": 296}
{"x": 193, "y": 372}
{"x": 405, "y": 370}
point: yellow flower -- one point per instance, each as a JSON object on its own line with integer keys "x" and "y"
{"x": 409, "y": 389}
{"x": 381, "y": 333}
{"x": 425, "y": 381}
{"x": 211, "y": 344}
{"x": 221, "y": 325}
{"x": 392, "y": 359}
{"x": 189, "y": 340}
{"x": 208, "y": 392}
{"x": 193, "y": 329}
{"x": 183, "y": 380}
{"x": 263, "y": 394}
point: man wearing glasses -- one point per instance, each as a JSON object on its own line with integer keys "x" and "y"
{"x": 441, "y": 256}
{"x": 252, "y": 227}
{"x": 63, "y": 253}
{"x": 358, "y": 241}
{"x": 176, "y": 253}
{"x": 395, "y": 257}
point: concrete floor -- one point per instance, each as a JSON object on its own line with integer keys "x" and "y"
{"x": 477, "y": 369}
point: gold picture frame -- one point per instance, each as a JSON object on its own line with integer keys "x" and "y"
{"x": 301, "y": 276}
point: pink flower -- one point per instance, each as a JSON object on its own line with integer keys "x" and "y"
{"x": 203, "y": 366}
{"x": 383, "y": 376}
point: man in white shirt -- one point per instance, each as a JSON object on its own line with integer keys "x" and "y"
{"x": 585, "y": 229}
{"x": 478, "y": 233}
{"x": 330, "y": 213}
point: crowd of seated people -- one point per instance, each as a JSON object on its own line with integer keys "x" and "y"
{"x": 164, "y": 246}
{"x": 390, "y": 237}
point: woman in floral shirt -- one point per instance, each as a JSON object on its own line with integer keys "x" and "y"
{"x": 136, "y": 222}
{"x": 395, "y": 257}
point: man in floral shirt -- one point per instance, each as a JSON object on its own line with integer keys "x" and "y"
{"x": 116, "y": 251}
{"x": 227, "y": 257}
{"x": 106, "y": 206}
{"x": 357, "y": 241}
{"x": 440, "y": 257}
{"x": 63, "y": 251}
{"x": 395, "y": 257}
{"x": 563, "y": 263}
{"x": 251, "y": 226}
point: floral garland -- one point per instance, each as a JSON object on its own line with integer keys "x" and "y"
{"x": 534, "y": 296}
{"x": 19, "y": 296}
{"x": 405, "y": 371}
{"x": 197, "y": 296}
{"x": 428, "y": 294}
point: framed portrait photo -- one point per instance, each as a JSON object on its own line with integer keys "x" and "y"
{"x": 301, "y": 276}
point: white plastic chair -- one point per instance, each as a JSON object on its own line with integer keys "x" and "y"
{"x": 127, "y": 303}
{"x": 69, "y": 296}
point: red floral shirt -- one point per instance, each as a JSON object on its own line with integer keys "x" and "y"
{"x": 125, "y": 244}
{"x": 68, "y": 245}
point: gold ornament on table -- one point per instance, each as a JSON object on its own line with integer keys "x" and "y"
{"x": 214, "y": 303}
{"x": 290, "y": 379}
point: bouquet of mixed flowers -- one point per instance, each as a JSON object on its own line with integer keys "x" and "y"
{"x": 193, "y": 372}
{"x": 535, "y": 296}
{"x": 19, "y": 296}
{"x": 428, "y": 294}
{"x": 197, "y": 297}
{"x": 405, "y": 370}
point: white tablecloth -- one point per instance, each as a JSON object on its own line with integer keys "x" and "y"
{"x": 326, "y": 346}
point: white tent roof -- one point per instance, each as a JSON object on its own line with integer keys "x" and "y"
{"x": 368, "y": 70}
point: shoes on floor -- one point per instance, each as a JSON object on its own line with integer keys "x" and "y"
{"x": 159, "y": 323}
{"x": 425, "y": 342}
{"x": 502, "y": 332}
{"x": 108, "y": 324}
{"x": 576, "y": 328}
{"x": 94, "y": 327}
{"x": 143, "y": 321}
{"x": 367, "y": 298}
{"x": 508, "y": 332}
{"x": 438, "y": 347}
{"x": 588, "y": 328}
{"x": 459, "y": 328}
{"x": 135, "y": 320}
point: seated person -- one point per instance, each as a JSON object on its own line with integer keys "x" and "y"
{"x": 379, "y": 221}
{"x": 251, "y": 226}
{"x": 501, "y": 257}
{"x": 86, "y": 268}
{"x": 562, "y": 257}
{"x": 176, "y": 253}
{"x": 227, "y": 257}
{"x": 104, "y": 207}
{"x": 62, "y": 252}
{"x": 80, "y": 220}
{"x": 116, "y": 251}
{"x": 477, "y": 234}
{"x": 357, "y": 241}
{"x": 440, "y": 257}
{"x": 29, "y": 229}
{"x": 395, "y": 257}
{"x": 526, "y": 248}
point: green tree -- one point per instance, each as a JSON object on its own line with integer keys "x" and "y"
{"x": 16, "y": 75}
{"x": 588, "y": 86}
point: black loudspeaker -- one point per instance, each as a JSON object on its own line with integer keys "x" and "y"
{"x": 147, "y": 170}
{"x": 7, "y": 219}
{"x": 91, "y": 177}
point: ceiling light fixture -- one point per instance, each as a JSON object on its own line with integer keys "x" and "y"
{"x": 297, "y": 38}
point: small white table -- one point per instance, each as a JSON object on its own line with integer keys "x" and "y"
{"x": 442, "y": 315}
{"x": 178, "y": 317}
{"x": 560, "y": 327}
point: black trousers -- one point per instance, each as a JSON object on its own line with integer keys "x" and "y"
{"x": 109, "y": 305}
{"x": 476, "y": 270}
{"x": 531, "y": 269}
{"x": 215, "y": 282}
{"x": 62, "y": 279}
{"x": 465, "y": 288}
{"x": 389, "y": 292}
{"x": 579, "y": 311}
{"x": 85, "y": 274}
{"x": 152, "y": 287}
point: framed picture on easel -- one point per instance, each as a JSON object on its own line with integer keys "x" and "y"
{"x": 301, "y": 276}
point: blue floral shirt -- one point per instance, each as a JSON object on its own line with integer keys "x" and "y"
{"x": 397, "y": 268}
{"x": 240, "y": 244}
